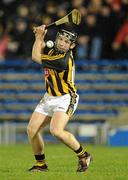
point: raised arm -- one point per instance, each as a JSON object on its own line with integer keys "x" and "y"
{"x": 39, "y": 43}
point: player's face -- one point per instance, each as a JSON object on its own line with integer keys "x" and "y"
{"x": 63, "y": 43}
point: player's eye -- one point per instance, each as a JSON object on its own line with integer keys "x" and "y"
{"x": 67, "y": 42}
{"x": 61, "y": 38}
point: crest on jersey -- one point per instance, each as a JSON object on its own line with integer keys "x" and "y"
{"x": 46, "y": 72}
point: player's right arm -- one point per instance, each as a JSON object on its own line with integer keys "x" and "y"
{"x": 39, "y": 43}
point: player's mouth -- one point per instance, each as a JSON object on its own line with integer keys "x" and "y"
{"x": 61, "y": 49}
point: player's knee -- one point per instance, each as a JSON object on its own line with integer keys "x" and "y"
{"x": 55, "y": 132}
{"x": 30, "y": 131}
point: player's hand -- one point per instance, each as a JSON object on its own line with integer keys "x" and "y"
{"x": 40, "y": 31}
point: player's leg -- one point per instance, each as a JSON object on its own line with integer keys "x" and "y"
{"x": 57, "y": 128}
{"x": 37, "y": 121}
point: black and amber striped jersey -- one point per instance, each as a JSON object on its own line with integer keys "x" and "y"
{"x": 59, "y": 70}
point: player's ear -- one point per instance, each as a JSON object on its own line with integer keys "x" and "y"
{"x": 72, "y": 45}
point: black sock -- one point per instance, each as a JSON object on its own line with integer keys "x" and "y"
{"x": 80, "y": 152}
{"x": 40, "y": 158}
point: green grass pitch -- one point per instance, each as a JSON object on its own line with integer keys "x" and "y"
{"x": 109, "y": 163}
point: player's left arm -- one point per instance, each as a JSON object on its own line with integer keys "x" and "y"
{"x": 39, "y": 43}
